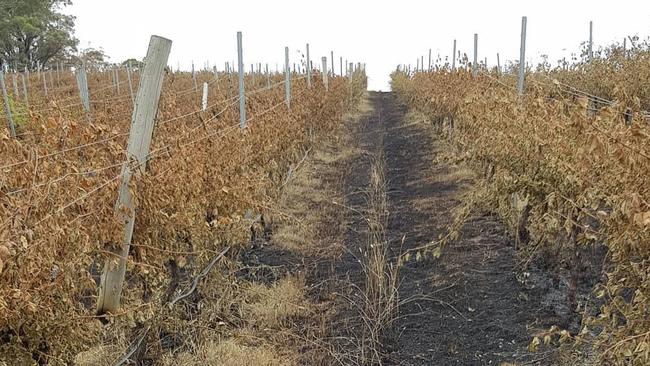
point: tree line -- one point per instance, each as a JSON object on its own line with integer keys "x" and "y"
{"x": 37, "y": 33}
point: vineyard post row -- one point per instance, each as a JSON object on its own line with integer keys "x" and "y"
{"x": 520, "y": 87}
{"x": 81, "y": 77}
{"x": 142, "y": 125}
{"x": 522, "y": 55}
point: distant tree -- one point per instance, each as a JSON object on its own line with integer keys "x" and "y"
{"x": 92, "y": 58}
{"x": 35, "y": 32}
{"x": 133, "y": 63}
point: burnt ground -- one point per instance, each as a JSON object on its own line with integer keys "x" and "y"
{"x": 466, "y": 307}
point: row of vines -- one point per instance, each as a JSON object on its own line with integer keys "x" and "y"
{"x": 207, "y": 181}
{"x": 567, "y": 165}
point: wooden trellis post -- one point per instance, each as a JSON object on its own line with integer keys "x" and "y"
{"x": 23, "y": 77}
{"x": 522, "y": 58}
{"x": 10, "y": 121}
{"x": 242, "y": 93}
{"x": 453, "y": 58}
{"x": 324, "y": 72}
{"x": 82, "y": 84}
{"x": 475, "y": 63}
{"x": 287, "y": 79}
{"x": 128, "y": 76}
{"x": 142, "y": 122}
{"x": 308, "y": 65}
{"x": 204, "y": 98}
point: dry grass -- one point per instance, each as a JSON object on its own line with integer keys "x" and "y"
{"x": 274, "y": 306}
{"x": 380, "y": 294}
{"x": 228, "y": 353}
{"x": 233, "y": 321}
{"x": 414, "y": 117}
{"x": 100, "y": 355}
{"x": 308, "y": 197}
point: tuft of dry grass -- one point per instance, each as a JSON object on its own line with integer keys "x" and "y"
{"x": 228, "y": 353}
{"x": 380, "y": 295}
{"x": 307, "y": 198}
{"x": 100, "y": 355}
{"x": 273, "y": 306}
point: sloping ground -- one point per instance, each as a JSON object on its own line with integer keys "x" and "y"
{"x": 465, "y": 307}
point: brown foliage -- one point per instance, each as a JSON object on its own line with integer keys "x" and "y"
{"x": 59, "y": 186}
{"x": 584, "y": 169}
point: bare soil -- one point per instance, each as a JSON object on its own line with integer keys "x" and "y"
{"x": 466, "y": 307}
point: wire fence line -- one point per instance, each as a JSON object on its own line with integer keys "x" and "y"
{"x": 74, "y": 190}
{"x": 113, "y": 137}
{"x": 599, "y": 130}
{"x": 153, "y": 154}
{"x": 68, "y": 104}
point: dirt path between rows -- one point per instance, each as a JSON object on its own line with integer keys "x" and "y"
{"x": 464, "y": 308}
{"x": 468, "y": 307}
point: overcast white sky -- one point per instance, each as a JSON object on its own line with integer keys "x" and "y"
{"x": 380, "y": 33}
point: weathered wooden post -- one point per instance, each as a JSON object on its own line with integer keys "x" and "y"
{"x": 22, "y": 76}
{"x": 44, "y": 83}
{"x": 590, "y": 52}
{"x": 324, "y": 72}
{"x": 128, "y": 76}
{"x": 453, "y": 60}
{"x": 522, "y": 58}
{"x": 196, "y": 86}
{"x": 268, "y": 76}
{"x": 308, "y": 65}
{"x": 112, "y": 72}
{"x": 82, "y": 85}
{"x": 204, "y": 99}
{"x": 10, "y": 121}
{"x": 14, "y": 81}
{"x": 287, "y": 78}
{"x": 142, "y": 123}
{"x": 498, "y": 63}
{"x": 242, "y": 96}
{"x": 116, "y": 70}
{"x": 475, "y": 63}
